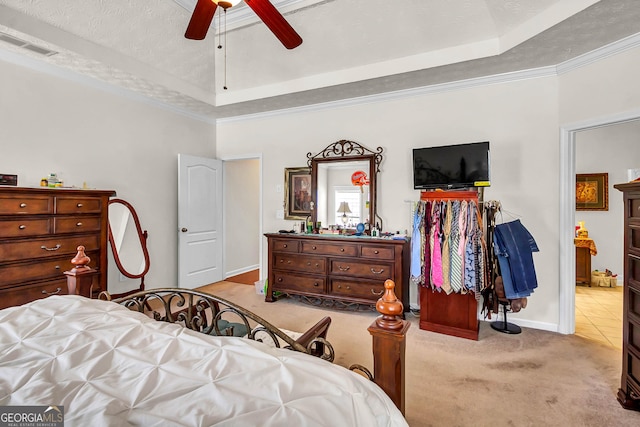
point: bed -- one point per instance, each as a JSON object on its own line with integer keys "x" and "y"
{"x": 112, "y": 363}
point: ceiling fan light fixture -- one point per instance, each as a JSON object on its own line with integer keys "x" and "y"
{"x": 226, "y": 4}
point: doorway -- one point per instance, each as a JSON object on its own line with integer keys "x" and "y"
{"x": 568, "y": 138}
{"x": 243, "y": 218}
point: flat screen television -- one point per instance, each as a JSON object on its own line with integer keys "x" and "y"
{"x": 451, "y": 166}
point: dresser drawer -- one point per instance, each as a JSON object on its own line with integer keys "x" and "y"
{"x": 329, "y": 248}
{"x": 634, "y": 237}
{"x": 285, "y": 245}
{"x": 368, "y": 290}
{"x": 48, "y": 247}
{"x": 634, "y": 208}
{"x": 25, "y": 205}
{"x": 76, "y": 225}
{"x": 25, "y": 227}
{"x": 77, "y": 205}
{"x": 354, "y": 268}
{"x": 377, "y": 252}
{"x": 295, "y": 262}
{"x": 634, "y": 268}
{"x": 24, "y": 294}
{"x": 298, "y": 283}
{"x": 12, "y": 274}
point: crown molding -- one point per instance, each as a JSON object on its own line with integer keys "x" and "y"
{"x": 599, "y": 54}
{"x": 586, "y": 59}
{"x": 596, "y": 55}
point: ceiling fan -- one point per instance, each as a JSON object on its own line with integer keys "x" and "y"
{"x": 205, "y": 9}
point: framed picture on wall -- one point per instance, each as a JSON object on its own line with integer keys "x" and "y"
{"x": 592, "y": 192}
{"x": 297, "y": 189}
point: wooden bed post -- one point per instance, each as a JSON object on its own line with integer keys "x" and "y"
{"x": 389, "y": 338}
{"x": 80, "y": 277}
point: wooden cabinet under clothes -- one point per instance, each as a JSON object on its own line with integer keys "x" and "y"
{"x": 40, "y": 229}
{"x": 337, "y": 270}
{"x": 629, "y": 392}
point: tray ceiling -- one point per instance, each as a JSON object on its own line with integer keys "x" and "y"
{"x": 351, "y": 48}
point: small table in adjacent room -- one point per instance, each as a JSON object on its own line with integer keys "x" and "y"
{"x": 585, "y": 247}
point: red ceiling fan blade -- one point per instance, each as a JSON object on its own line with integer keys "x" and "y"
{"x": 201, "y": 20}
{"x": 275, "y": 22}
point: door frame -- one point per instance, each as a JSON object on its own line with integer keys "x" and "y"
{"x": 256, "y": 156}
{"x": 567, "y": 297}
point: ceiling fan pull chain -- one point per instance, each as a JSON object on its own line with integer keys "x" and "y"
{"x": 218, "y": 33}
{"x": 225, "y": 50}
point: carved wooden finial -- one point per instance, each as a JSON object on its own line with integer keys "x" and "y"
{"x": 390, "y": 308}
{"x": 81, "y": 260}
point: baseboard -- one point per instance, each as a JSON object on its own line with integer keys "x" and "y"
{"x": 241, "y": 271}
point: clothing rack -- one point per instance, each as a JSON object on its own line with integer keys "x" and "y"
{"x": 453, "y": 314}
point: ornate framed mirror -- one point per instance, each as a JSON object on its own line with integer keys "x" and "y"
{"x": 128, "y": 242}
{"x": 343, "y": 185}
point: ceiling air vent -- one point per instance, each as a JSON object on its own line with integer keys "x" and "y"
{"x": 26, "y": 45}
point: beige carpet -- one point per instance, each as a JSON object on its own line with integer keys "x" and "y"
{"x": 536, "y": 378}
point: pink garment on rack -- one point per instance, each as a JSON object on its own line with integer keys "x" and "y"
{"x": 436, "y": 252}
{"x": 446, "y": 250}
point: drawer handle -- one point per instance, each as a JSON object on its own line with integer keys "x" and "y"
{"x": 58, "y": 246}
{"x": 57, "y": 267}
{"x": 316, "y": 284}
{"x": 23, "y": 205}
{"x": 341, "y": 268}
{"x": 377, "y": 293}
{"x": 346, "y": 287}
{"x": 376, "y": 252}
{"x": 279, "y": 279}
{"x": 313, "y": 247}
{"x": 377, "y": 272}
{"x": 288, "y": 261}
{"x": 341, "y": 249}
{"x": 22, "y": 227}
{"x": 79, "y": 205}
{"x": 79, "y": 224}
{"x": 285, "y": 246}
{"x": 52, "y": 293}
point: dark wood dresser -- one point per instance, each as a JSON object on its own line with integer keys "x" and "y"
{"x": 629, "y": 392}
{"x": 337, "y": 271}
{"x": 40, "y": 229}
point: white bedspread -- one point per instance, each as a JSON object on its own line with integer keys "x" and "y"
{"x": 109, "y": 366}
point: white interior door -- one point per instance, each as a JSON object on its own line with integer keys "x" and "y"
{"x": 199, "y": 221}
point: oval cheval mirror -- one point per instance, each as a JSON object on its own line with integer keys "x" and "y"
{"x": 128, "y": 243}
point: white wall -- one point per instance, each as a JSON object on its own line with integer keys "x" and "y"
{"x": 522, "y": 120}
{"x": 49, "y": 124}
{"x": 519, "y": 118}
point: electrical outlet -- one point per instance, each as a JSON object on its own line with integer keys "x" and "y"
{"x": 280, "y": 214}
{"x": 279, "y": 188}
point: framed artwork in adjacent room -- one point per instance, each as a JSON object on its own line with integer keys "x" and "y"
{"x": 297, "y": 185}
{"x": 592, "y": 192}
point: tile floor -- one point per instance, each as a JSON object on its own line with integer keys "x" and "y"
{"x": 599, "y": 314}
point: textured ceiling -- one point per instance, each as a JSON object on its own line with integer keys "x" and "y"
{"x": 351, "y": 48}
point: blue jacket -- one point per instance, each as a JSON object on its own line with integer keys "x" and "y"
{"x": 514, "y": 243}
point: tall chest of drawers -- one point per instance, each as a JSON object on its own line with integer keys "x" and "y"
{"x": 335, "y": 270}
{"x": 629, "y": 392}
{"x": 40, "y": 229}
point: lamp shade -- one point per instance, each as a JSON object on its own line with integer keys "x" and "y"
{"x": 344, "y": 208}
